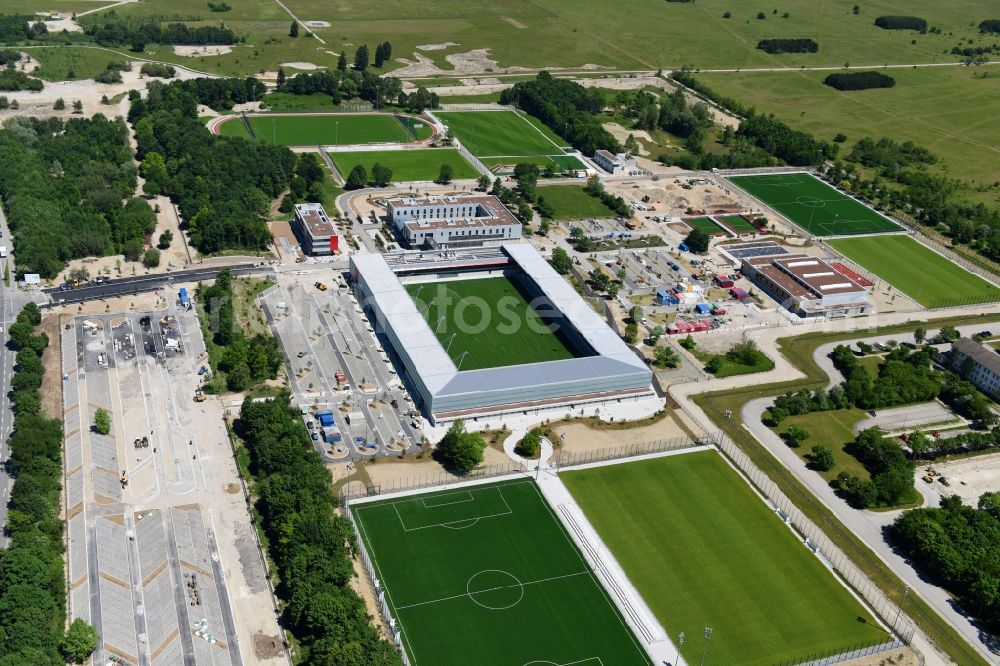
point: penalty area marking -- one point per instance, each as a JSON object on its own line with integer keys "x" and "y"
{"x": 468, "y": 498}
{"x": 589, "y": 660}
{"x": 451, "y": 524}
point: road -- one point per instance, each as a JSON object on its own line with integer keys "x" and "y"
{"x": 135, "y": 285}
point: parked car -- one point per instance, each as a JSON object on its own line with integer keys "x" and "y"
{"x": 301, "y": 354}
{"x": 310, "y": 424}
{"x": 315, "y": 436}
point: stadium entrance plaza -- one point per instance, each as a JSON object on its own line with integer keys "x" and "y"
{"x": 165, "y": 566}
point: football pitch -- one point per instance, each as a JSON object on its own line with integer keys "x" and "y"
{"x": 407, "y": 165}
{"x": 704, "y": 551}
{"x": 922, "y": 274}
{"x": 486, "y": 323}
{"x": 706, "y": 224}
{"x": 738, "y": 224}
{"x": 506, "y": 137}
{"x": 313, "y": 130}
{"x": 813, "y": 205}
{"x": 487, "y": 575}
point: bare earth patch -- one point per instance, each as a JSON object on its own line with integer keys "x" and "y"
{"x": 435, "y": 47}
{"x": 317, "y": 24}
{"x": 514, "y": 22}
{"x": 622, "y": 133}
{"x": 197, "y": 51}
{"x": 301, "y": 65}
{"x": 579, "y": 437}
{"x": 488, "y": 81}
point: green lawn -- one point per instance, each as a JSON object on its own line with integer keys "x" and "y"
{"x": 834, "y": 429}
{"x": 813, "y": 205}
{"x": 407, "y": 165}
{"x": 488, "y": 576}
{"x": 919, "y": 272}
{"x": 706, "y": 224}
{"x": 59, "y": 63}
{"x": 490, "y": 319}
{"x": 571, "y": 202}
{"x": 704, "y": 550}
{"x": 731, "y": 368}
{"x": 739, "y": 224}
{"x": 498, "y": 134}
{"x": 308, "y": 130}
{"x": 281, "y": 102}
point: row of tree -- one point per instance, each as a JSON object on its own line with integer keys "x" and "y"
{"x": 958, "y": 547}
{"x": 32, "y": 583}
{"x": 67, "y": 188}
{"x": 222, "y": 186}
{"x": 990, "y": 25}
{"x": 19, "y": 27}
{"x": 246, "y": 361}
{"x": 113, "y": 29}
{"x": 567, "y": 108}
{"x": 788, "y": 45}
{"x": 311, "y": 546}
{"x": 888, "y": 154}
{"x": 902, "y": 23}
{"x": 342, "y": 84}
{"x": 859, "y": 80}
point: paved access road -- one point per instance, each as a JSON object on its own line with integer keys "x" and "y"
{"x": 135, "y": 285}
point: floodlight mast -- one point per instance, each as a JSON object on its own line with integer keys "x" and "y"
{"x": 460, "y": 359}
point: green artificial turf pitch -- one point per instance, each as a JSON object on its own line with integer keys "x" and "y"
{"x": 738, "y": 224}
{"x": 407, "y": 165}
{"x": 704, "y": 551}
{"x": 313, "y": 130}
{"x": 813, "y": 205}
{"x": 706, "y": 224}
{"x": 500, "y": 135}
{"x": 571, "y": 202}
{"x": 490, "y": 319}
{"x": 487, "y": 576}
{"x": 922, "y": 274}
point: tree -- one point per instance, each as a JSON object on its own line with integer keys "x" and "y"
{"x": 381, "y": 175}
{"x": 697, "y": 241}
{"x": 166, "y": 238}
{"x": 715, "y": 363}
{"x": 461, "y": 450}
{"x": 445, "y": 174}
{"x": 281, "y": 75}
{"x": 483, "y": 183}
{"x": 667, "y": 357}
{"x": 948, "y": 333}
{"x": 102, "y": 421}
{"x": 531, "y": 444}
{"x": 544, "y": 209}
{"x": 920, "y": 334}
{"x": 77, "y": 106}
{"x": 361, "y": 58}
{"x": 635, "y": 314}
{"x": 561, "y": 261}
{"x": 795, "y": 435}
{"x": 132, "y": 249}
{"x": 631, "y": 145}
{"x": 79, "y": 642}
{"x": 342, "y": 62}
{"x": 822, "y": 458}
{"x": 655, "y": 335}
{"x": 357, "y": 179}
{"x": 631, "y": 332}
{"x": 294, "y": 30}
{"x": 151, "y": 259}
{"x": 59, "y": 105}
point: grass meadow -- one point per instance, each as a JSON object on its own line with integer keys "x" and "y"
{"x": 407, "y": 165}
{"x": 571, "y": 202}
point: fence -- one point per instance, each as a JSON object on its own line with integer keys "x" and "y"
{"x": 840, "y": 655}
{"x": 565, "y": 459}
{"x": 891, "y": 615}
{"x": 473, "y": 160}
{"x": 395, "y": 632}
{"x": 353, "y": 491}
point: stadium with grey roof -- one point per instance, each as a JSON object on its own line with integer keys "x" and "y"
{"x": 533, "y": 344}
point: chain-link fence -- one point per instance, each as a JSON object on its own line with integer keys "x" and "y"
{"x": 442, "y": 479}
{"x": 566, "y": 459}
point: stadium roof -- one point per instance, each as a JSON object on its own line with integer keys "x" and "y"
{"x": 439, "y": 373}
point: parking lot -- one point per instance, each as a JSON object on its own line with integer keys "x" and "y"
{"x": 337, "y": 364}
{"x": 162, "y": 557}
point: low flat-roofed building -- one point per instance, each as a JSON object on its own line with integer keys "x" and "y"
{"x": 316, "y": 233}
{"x": 609, "y": 161}
{"x": 807, "y": 286}
{"x": 439, "y": 222}
{"x": 976, "y": 363}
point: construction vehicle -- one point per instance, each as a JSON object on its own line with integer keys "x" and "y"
{"x": 321, "y": 286}
{"x": 199, "y": 395}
